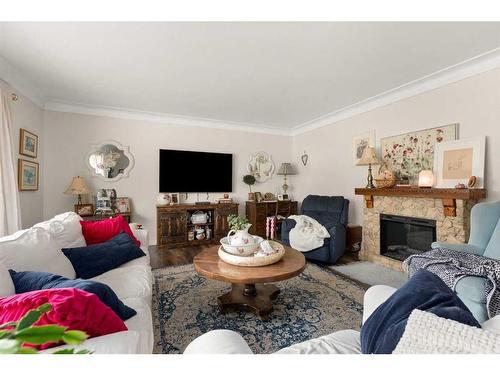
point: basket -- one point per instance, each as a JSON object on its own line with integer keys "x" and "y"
{"x": 386, "y": 183}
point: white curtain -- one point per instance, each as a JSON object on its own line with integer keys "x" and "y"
{"x": 10, "y": 211}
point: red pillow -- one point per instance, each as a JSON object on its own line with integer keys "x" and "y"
{"x": 104, "y": 230}
{"x": 71, "y": 307}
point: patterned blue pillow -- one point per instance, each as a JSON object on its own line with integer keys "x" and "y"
{"x": 30, "y": 281}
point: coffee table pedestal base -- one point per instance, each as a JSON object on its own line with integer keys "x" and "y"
{"x": 258, "y": 298}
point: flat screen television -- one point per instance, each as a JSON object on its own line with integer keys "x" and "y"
{"x": 195, "y": 172}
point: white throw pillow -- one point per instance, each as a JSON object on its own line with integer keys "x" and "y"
{"x": 6, "y": 285}
{"x": 34, "y": 249}
{"x": 66, "y": 229}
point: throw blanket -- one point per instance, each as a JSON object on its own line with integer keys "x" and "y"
{"x": 451, "y": 266}
{"x": 308, "y": 234}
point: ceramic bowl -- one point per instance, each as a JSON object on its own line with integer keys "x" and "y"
{"x": 242, "y": 250}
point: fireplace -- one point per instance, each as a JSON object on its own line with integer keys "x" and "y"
{"x": 402, "y": 236}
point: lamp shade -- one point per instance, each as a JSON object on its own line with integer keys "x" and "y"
{"x": 425, "y": 178}
{"x": 286, "y": 169}
{"x": 77, "y": 186}
{"x": 369, "y": 157}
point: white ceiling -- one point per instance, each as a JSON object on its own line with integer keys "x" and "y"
{"x": 274, "y": 75}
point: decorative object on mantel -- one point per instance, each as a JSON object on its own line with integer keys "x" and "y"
{"x": 28, "y": 143}
{"x": 385, "y": 179}
{"x": 110, "y": 161}
{"x": 304, "y": 158}
{"x": 368, "y": 158}
{"x": 456, "y": 161}
{"x": 425, "y": 179}
{"x": 261, "y": 166}
{"x": 472, "y": 182}
{"x": 27, "y": 175}
{"x": 408, "y": 154}
{"x": 78, "y": 187}
{"x": 286, "y": 169}
{"x": 249, "y": 180}
{"x": 360, "y": 143}
{"x": 460, "y": 186}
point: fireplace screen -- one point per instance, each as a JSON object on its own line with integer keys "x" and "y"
{"x": 402, "y": 236}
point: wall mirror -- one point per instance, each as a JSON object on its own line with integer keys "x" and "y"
{"x": 110, "y": 161}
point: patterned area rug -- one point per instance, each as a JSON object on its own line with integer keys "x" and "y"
{"x": 313, "y": 304}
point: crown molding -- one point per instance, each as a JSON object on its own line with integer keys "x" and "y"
{"x": 128, "y": 114}
{"x": 473, "y": 66}
{"x": 14, "y": 79}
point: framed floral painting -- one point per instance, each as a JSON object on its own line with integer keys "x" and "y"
{"x": 407, "y": 154}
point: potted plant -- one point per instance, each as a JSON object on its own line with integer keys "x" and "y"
{"x": 249, "y": 180}
{"x": 239, "y": 226}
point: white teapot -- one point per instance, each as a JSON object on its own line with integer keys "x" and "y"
{"x": 241, "y": 237}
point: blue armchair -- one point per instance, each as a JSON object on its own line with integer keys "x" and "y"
{"x": 484, "y": 240}
{"x": 331, "y": 212}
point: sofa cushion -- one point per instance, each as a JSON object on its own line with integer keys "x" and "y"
{"x": 6, "y": 285}
{"x": 66, "y": 229}
{"x": 472, "y": 287}
{"x": 424, "y": 291}
{"x": 72, "y": 308}
{"x": 340, "y": 342}
{"x": 34, "y": 249}
{"x": 128, "y": 282}
{"x": 103, "y": 230}
{"x": 94, "y": 260}
{"x": 31, "y": 281}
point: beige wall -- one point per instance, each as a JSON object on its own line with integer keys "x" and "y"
{"x": 69, "y": 136}
{"x": 27, "y": 115}
{"x": 474, "y": 103}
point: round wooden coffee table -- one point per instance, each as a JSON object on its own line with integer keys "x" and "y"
{"x": 248, "y": 283}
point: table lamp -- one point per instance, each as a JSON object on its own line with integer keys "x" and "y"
{"x": 78, "y": 187}
{"x": 368, "y": 158}
{"x": 286, "y": 169}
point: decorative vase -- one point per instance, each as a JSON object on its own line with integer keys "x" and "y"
{"x": 240, "y": 237}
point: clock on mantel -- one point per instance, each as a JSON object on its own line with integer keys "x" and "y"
{"x": 449, "y": 196}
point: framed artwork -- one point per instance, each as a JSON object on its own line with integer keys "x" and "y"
{"x": 457, "y": 161}
{"x": 360, "y": 142}
{"x": 258, "y": 196}
{"x": 407, "y": 154}
{"x": 261, "y": 166}
{"x": 174, "y": 198}
{"x": 84, "y": 209}
{"x": 123, "y": 205}
{"x": 28, "y": 143}
{"x": 27, "y": 174}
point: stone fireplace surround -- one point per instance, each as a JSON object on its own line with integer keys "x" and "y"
{"x": 449, "y": 207}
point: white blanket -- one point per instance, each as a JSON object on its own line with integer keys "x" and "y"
{"x": 308, "y": 234}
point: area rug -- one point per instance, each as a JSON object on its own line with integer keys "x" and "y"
{"x": 316, "y": 303}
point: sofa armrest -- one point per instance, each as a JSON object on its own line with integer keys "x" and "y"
{"x": 458, "y": 247}
{"x": 374, "y": 297}
{"x": 142, "y": 235}
{"x": 219, "y": 341}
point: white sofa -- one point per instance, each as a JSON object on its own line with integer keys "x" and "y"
{"x": 132, "y": 281}
{"x": 340, "y": 342}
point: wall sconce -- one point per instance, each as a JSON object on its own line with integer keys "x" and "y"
{"x": 425, "y": 179}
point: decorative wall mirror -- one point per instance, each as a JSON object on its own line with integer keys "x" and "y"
{"x": 110, "y": 161}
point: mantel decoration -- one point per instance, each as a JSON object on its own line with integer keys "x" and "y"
{"x": 261, "y": 166}
{"x": 369, "y": 158}
{"x": 456, "y": 162}
{"x": 110, "y": 161}
{"x": 408, "y": 154}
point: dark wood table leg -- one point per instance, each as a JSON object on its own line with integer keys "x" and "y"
{"x": 258, "y": 298}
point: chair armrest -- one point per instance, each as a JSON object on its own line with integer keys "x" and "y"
{"x": 219, "y": 341}
{"x": 338, "y": 238}
{"x": 286, "y": 226}
{"x": 458, "y": 247}
{"x": 374, "y": 297}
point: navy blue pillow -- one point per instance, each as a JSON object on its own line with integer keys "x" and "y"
{"x": 424, "y": 291}
{"x": 30, "y": 281}
{"x": 93, "y": 260}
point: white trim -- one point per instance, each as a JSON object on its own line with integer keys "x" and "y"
{"x": 161, "y": 117}
{"x": 476, "y": 65}
{"x": 13, "y": 78}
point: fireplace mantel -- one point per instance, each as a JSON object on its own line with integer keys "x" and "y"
{"x": 449, "y": 196}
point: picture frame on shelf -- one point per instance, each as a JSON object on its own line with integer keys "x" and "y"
{"x": 84, "y": 209}
{"x": 258, "y": 196}
{"x": 28, "y": 143}
{"x": 456, "y": 161}
{"x": 174, "y": 198}
{"x": 27, "y": 175}
{"x": 123, "y": 205}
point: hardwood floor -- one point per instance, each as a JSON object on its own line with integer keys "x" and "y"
{"x": 162, "y": 257}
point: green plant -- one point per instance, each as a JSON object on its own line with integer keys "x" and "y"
{"x": 14, "y": 335}
{"x": 237, "y": 222}
{"x": 249, "y": 180}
